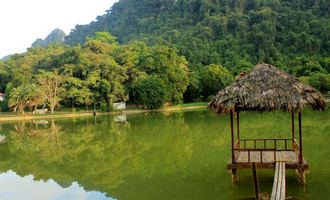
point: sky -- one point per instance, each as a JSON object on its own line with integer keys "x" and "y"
{"x": 23, "y": 21}
{"x": 29, "y": 188}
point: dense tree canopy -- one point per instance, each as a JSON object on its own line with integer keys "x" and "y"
{"x": 151, "y": 91}
{"x": 99, "y": 72}
{"x": 229, "y": 33}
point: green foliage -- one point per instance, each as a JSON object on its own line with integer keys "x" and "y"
{"x": 4, "y": 104}
{"x": 320, "y": 81}
{"x": 302, "y": 66}
{"x": 23, "y": 96}
{"x": 3, "y": 76}
{"x": 220, "y": 31}
{"x": 213, "y": 78}
{"x": 151, "y": 92}
{"x": 93, "y": 74}
{"x": 50, "y": 88}
{"x": 193, "y": 47}
{"x": 166, "y": 64}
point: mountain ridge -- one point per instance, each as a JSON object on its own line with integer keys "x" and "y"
{"x": 56, "y": 36}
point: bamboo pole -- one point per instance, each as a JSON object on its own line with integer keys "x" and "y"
{"x": 300, "y": 140}
{"x": 238, "y": 135}
{"x": 292, "y": 126}
{"x": 232, "y": 137}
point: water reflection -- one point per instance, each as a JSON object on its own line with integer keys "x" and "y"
{"x": 154, "y": 156}
{"x": 14, "y": 187}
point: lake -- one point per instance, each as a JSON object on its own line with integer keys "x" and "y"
{"x": 179, "y": 155}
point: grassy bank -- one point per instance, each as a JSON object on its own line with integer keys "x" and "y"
{"x": 10, "y": 116}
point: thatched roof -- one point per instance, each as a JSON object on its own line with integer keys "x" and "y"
{"x": 266, "y": 88}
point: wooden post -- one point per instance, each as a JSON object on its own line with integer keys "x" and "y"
{"x": 232, "y": 137}
{"x": 255, "y": 181}
{"x": 238, "y": 126}
{"x": 300, "y": 140}
{"x": 292, "y": 126}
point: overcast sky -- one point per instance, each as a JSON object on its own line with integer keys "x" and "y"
{"x": 23, "y": 21}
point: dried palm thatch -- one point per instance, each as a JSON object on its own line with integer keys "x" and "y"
{"x": 266, "y": 88}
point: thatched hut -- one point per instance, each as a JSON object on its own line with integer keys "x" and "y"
{"x": 266, "y": 88}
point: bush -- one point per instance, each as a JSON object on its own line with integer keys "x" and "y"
{"x": 214, "y": 78}
{"x": 151, "y": 92}
{"x": 320, "y": 81}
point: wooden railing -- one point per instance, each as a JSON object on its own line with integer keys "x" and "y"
{"x": 277, "y": 144}
{"x": 263, "y": 145}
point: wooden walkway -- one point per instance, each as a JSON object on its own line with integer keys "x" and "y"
{"x": 278, "y": 192}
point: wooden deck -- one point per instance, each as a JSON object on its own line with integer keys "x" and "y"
{"x": 278, "y": 192}
{"x": 266, "y": 159}
{"x": 265, "y": 153}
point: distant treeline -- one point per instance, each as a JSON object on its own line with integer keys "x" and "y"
{"x": 99, "y": 73}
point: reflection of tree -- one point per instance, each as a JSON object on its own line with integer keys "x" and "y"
{"x": 45, "y": 140}
{"x": 151, "y": 155}
{"x": 52, "y": 139}
{"x": 103, "y": 156}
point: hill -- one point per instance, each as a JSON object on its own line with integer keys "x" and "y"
{"x": 234, "y": 33}
{"x": 56, "y": 36}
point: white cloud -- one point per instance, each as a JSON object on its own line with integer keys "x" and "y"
{"x": 14, "y": 187}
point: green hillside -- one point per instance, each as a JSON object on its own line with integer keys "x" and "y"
{"x": 234, "y": 33}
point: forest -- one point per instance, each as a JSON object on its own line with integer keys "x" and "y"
{"x": 152, "y": 52}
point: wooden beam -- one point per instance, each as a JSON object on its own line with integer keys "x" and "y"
{"x": 238, "y": 136}
{"x": 300, "y": 140}
{"x": 292, "y": 126}
{"x": 232, "y": 136}
{"x": 255, "y": 181}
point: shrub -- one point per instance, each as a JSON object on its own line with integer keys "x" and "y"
{"x": 151, "y": 92}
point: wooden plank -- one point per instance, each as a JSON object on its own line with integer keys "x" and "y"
{"x": 278, "y": 192}
{"x": 279, "y": 183}
{"x": 275, "y": 182}
{"x": 283, "y": 182}
{"x": 267, "y": 156}
{"x": 255, "y": 180}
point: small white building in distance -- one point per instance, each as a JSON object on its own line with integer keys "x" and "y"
{"x": 119, "y": 105}
{"x": 2, "y": 96}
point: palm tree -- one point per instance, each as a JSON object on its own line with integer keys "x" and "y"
{"x": 18, "y": 99}
{"x": 24, "y": 95}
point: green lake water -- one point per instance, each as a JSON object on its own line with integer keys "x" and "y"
{"x": 152, "y": 156}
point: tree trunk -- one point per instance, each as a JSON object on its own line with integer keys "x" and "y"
{"x": 52, "y": 109}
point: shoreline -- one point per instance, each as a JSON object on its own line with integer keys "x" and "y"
{"x": 90, "y": 114}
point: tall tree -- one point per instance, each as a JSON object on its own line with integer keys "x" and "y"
{"x": 50, "y": 84}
